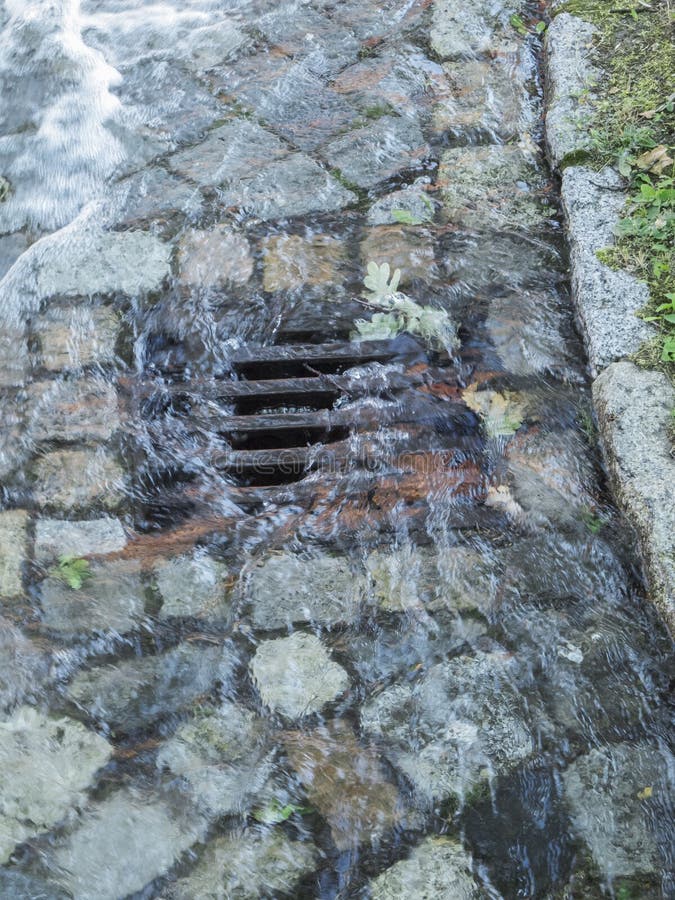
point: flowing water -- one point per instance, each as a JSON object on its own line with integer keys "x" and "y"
{"x": 285, "y": 614}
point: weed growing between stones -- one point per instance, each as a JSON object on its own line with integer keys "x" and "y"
{"x": 400, "y": 313}
{"x": 634, "y": 130}
{"x": 73, "y": 571}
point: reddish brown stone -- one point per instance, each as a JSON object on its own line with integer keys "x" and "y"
{"x": 345, "y": 783}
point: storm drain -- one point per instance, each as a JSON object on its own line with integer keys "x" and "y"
{"x": 283, "y": 412}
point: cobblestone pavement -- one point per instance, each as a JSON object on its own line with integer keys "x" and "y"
{"x": 422, "y": 665}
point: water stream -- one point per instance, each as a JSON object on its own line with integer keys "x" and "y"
{"x": 285, "y": 615}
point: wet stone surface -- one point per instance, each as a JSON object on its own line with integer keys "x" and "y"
{"x": 52, "y": 762}
{"x": 285, "y": 590}
{"x": 459, "y": 724}
{"x": 435, "y": 868}
{"x": 295, "y": 675}
{"x": 192, "y": 586}
{"x": 13, "y": 551}
{"x": 121, "y": 844}
{"x": 70, "y": 337}
{"x": 224, "y": 755}
{"x": 76, "y": 479}
{"x": 422, "y": 667}
{"x": 130, "y": 694}
{"x": 111, "y": 599}
{"x": 247, "y": 864}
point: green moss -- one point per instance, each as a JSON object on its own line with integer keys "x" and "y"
{"x": 378, "y": 111}
{"x": 634, "y": 112}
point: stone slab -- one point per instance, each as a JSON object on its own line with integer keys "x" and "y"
{"x": 634, "y": 408}
{"x": 606, "y": 299}
{"x": 121, "y": 844}
{"x": 70, "y": 480}
{"x": 129, "y": 262}
{"x": 58, "y": 537}
{"x": 492, "y": 187}
{"x": 111, "y": 599}
{"x": 73, "y": 336}
{"x": 571, "y": 74}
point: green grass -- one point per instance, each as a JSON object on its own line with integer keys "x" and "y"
{"x": 634, "y": 129}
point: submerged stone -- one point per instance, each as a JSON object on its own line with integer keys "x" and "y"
{"x": 618, "y": 797}
{"x": 24, "y": 666}
{"x": 483, "y": 98}
{"x": 491, "y": 187}
{"x": 410, "y": 249}
{"x": 77, "y": 479}
{"x": 288, "y": 589}
{"x": 411, "y": 204}
{"x": 74, "y": 336}
{"x": 14, "y": 358}
{"x": 11, "y": 248}
{"x": 290, "y": 261}
{"x": 224, "y": 755}
{"x": 345, "y": 783}
{"x": 494, "y": 262}
{"x": 230, "y": 152}
{"x": 457, "y": 579}
{"x": 111, "y": 599}
{"x": 292, "y": 99}
{"x": 73, "y": 410}
{"x": 13, "y": 551}
{"x": 120, "y": 845}
{"x": 553, "y": 479}
{"x": 461, "y": 723}
{"x": 526, "y": 331}
{"x": 214, "y": 259}
{"x": 296, "y": 676}
{"x": 51, "y": 762}
{"x": 155, "y": 194}
{"x": 57, "y": 537}
{"x": 128, "y": 262}
{"x": 132, "y": 693}
{"x": 248, "y": 865}
{"x": 437, "y": 869}
{"x": 293, "y": 186}
{"x": 475, "y": 28}
{"x": 371, "y": 154}
{"x": 192, "y": 586}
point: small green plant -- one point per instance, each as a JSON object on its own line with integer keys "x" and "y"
{"x": 398, "y": 313}
{"x": 516, "y": 22}
{"x": 273, "y": 813}
{"x": 594, "y": 523}
{"x": 73, "y": 571}
{"x": 405, "y": 217}
{"x": 378, "y": 283}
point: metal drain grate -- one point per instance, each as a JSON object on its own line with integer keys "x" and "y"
{"x": 290, "y": 410}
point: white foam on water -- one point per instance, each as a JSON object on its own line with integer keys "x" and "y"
{"x": 58, "y": 144}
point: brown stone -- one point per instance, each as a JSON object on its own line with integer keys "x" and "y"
{"x": 214, "y": 259}
{"x": 72, "y": 410}
{"x": 291, "y": 261}
{"x": 74, "y": 479}
{"x": 485, "y": 96}
{"x": 345, "y": 782}
{"x": 76, "y": 336}
{"x": 409, "y": 249}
